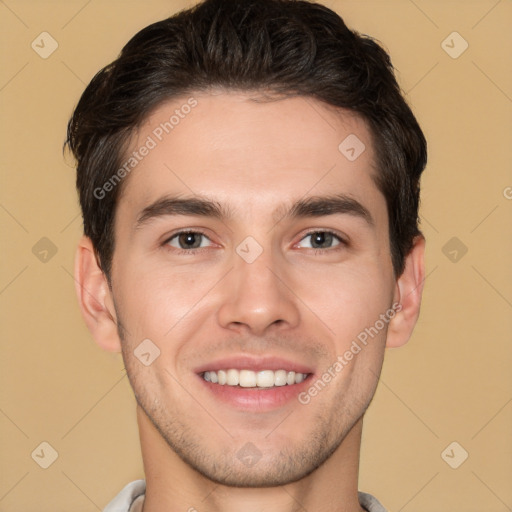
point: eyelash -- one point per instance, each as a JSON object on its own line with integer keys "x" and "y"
{"x": 343, "y": 242}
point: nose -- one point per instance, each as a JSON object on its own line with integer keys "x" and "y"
{"x": 256, "y": 297}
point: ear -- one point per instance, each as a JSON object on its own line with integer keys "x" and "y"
{"x": 95, "y": 297}
{"x": 408, "y": 292}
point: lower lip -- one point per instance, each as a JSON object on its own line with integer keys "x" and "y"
{"x": 257, "y": 399}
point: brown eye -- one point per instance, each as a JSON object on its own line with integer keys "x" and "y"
{"x": 188, "y": 240}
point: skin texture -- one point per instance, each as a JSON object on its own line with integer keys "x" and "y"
{"x": 291, "y": 302}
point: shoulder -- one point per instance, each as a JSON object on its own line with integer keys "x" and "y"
{"x": 370, "y": 503}
{"x": 126, "y": 498}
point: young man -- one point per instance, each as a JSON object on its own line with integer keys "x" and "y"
{"x": 248, "y": 174}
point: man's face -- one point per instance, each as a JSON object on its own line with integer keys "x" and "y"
{"x": 257, "y": 287}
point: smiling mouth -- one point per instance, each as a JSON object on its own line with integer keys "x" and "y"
{"x": 264, "y": 379}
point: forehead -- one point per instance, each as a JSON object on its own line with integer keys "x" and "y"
{"x": 253, "y": 155}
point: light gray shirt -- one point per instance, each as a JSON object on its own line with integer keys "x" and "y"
{"x": 131, "y": 498}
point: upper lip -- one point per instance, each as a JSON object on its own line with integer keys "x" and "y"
{"x": 254, "y": 363}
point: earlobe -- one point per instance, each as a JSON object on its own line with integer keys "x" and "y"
{"x": 95, "y": 297}
{"x": 408, "y": 292}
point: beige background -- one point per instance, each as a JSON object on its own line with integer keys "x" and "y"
{"x": 452, "y": 382}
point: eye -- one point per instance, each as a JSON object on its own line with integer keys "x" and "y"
{"x": 188, "y": 240}
{"x": 322, "y": 240}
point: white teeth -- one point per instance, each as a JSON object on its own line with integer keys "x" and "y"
{"x": 280, "y": 376}
{"x": 265, "y": 379}
{"x": 250, "y": 379}
{"x": 232, "y": 377}
{"x": 247, "y": 378}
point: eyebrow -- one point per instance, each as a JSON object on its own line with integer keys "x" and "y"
{"x": 315, "y": 206}
{"x": 320, "y": 206}
{"x": 182, "y": 206}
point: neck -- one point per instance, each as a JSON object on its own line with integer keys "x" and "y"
{"x": 172, "y": 485}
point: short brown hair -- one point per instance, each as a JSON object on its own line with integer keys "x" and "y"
{"x": 287, "y": 47}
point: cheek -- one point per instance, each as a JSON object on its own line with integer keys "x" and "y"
{"x": 155, "y": 300}
{"x": 346, "y": 299}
